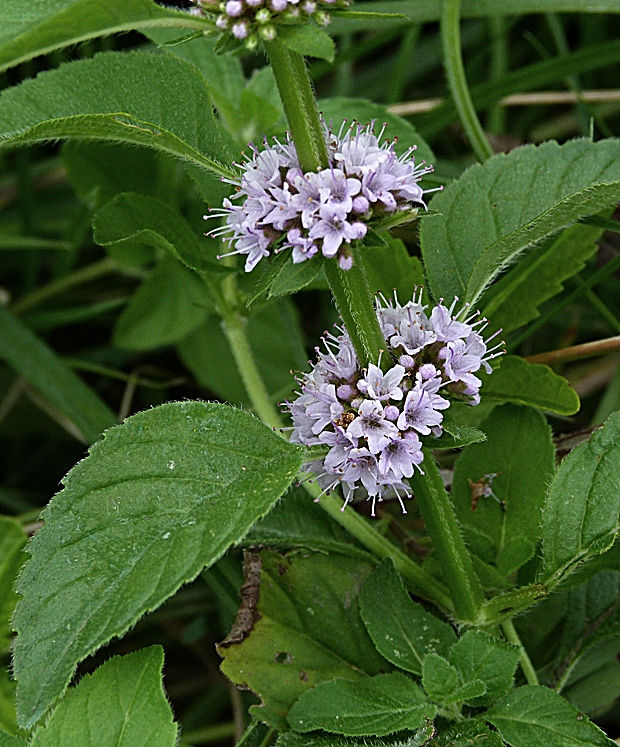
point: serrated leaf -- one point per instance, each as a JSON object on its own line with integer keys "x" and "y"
{"x": 338, "y": 109}
{"x": 297, "y": 521}
{"x": 293, "y": 277}
{"x": 132, "y": 217}
{"x": 534, "y": 384}
{"x": 533, "y": 715}
{"x": 168, "y": 306}
{"x": 454, "y": 436}
{"x": 160, "y": 498}
{"x": 12, "y": 540}
{"x": 499, "y": 486}
{"x": 439, "y": 678}
{"x": 100, "y": 171}
{"x": 469, "y": 733}
{"x": 317, "y": 739}
{"x": 122, "y": 704}
{"x": 581, "y": 513}
{"x": 309, "y": 40}
{"x": 32, "y": 30}
{"x": 129, "y": 97}
{"x": 402, "y": 630}
{"x": 304, "y": 629}
{"x": 86, "y": 414}
{"x": 514, "y": 300}
{"x": 374, "y": 706}
{"x": 477, "y": 656}
{"x": 496, "y": 210}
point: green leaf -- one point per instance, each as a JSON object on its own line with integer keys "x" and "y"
{"x": 160, "y": 498}
{"x": 515, "y": 463}
{"x": 454, "y": 436}
{"x": 439, "y": 678}
{"x": 293, "y": 277}
{"x": 534, "y": 384}
{"x": 533, "y": 715}
{"x": 132, "y": 217}
{"x": 8, "y": 716}
{"x": 32, "y": 30}
{"x": 303, "y": 629}
{"x": 597, "y": 691}
{"x": 8, "y": 741}
{"x": 477, "y": 656}
{"x": 469, "y": 733}
{"x": 499, "y": 608}
{"x": 309, "y": 40}
{"x": 169, "y": 304}
{"x": 297, "y": 521}
{"x": 276, "y": 341}
{"x": 317, "y": 739}
{"x": 86, "y": 415}
{"x": 581, "y": 513}
{"x": 12, "y": 540}
{"x": 375, "y": 707}
{"x": 122, "y": 704}
{"x": 392, "y": 268}
{"x": 402, "y": 630}
{"x": 496, "y": 210}
{"x": 360, "y": 110}
{"x": 130, "y": 97}
{"x": 100, "y": 171}
{"x": 514, "y": 300}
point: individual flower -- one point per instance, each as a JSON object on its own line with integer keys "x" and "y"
{"x": 371, "y": 420}
{"x": 280, "y": 207}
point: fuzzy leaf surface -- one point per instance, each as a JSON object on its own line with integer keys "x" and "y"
{"x": 534, "y": 384}
{"x": 12, "y": 540}
{"x": 581, "y": 517}
{"x": 132, "y": 217}
{"x": 308, "y": 630}
{"x": 158, "y": 499}
{"x": 514, "y": 300}
{"x": 86, "y": 414}
{"x": 477, "y": 656}
{"x": 318, "y": 739}
{"x": 496, "y": 210}
{"x": 309, "y": 40}
{"x": 534, "y": 715}
{"x": 167, "y": 306}
{"x": 515, "y": 463}
{"x": 122, "y": 704}
{"x": 153, "y": 100}
{"x": 375, "y": 706}
{"x": 8, "y": 741}
{"x": 30, "y": 30}
{"x": 402, "y": 630}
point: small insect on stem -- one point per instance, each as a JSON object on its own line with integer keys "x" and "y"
{"x": 482, "y": 488}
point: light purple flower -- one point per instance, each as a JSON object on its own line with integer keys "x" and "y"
{"x": 372, "y": 425}
{"x": 378, "y": 385}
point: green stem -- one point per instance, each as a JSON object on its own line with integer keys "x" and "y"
{"x": 215, "y": 733}
{"x": 418, "y": 580}
{"x": 526, "y": 664}
{"x": 297, "y": 96}
{"x": 55, "y": 288}
{"x": 499, "y": 67}
{"x": 443, "y": 528}
{"x": 453, "y": 62}
{"x": 356, "y": 307}
{"x": 234, "y": 326}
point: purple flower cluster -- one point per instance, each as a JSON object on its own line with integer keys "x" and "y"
{"x": 251, "y": 20}
{"x": 285, "y": 208}
{"x": 371, "y": 421}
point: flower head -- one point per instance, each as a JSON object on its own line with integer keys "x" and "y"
{"x": 281, "y": 207}
{"x": 372, "y": 420}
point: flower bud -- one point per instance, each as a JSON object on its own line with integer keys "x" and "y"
{"x": 234, "y": 8}
{"x": 240, "y": 30}
{"x": 268, "y": 33}
{"x": 263, "y": 15}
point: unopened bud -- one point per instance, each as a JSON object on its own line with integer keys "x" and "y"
{"x": 268, "y": 33}
{"x": 263, "y": 16}
{"x": 240, "y": 30}
{"x": 322, "y": 18}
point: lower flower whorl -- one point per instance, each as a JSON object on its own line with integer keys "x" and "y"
{"x": 370, "y": 420}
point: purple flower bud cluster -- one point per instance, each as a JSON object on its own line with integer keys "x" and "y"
{"x": 370, "y": 420}
{"x": 285, "y": 208}
{"x": 251, "y": 20}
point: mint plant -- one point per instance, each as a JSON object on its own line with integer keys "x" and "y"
{"x": 400, "y": 542}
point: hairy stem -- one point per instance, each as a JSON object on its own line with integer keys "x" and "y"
{"x": 526, "y": 664}
{"x": 455, "y": 72}
{"x": 295, "y": 88}
{"x": 443, "y": 528}
{"x": 356, "y": 308}
{"x": 417, "y": 579}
